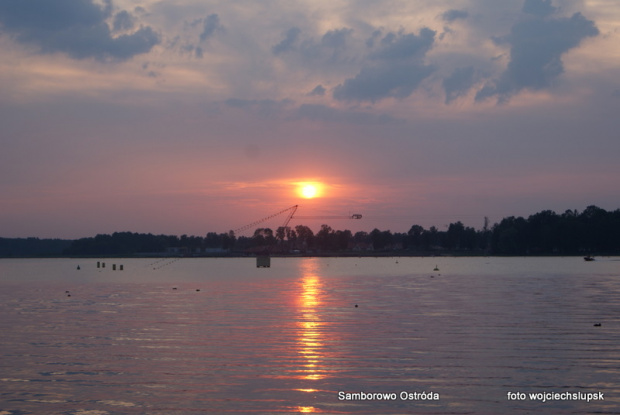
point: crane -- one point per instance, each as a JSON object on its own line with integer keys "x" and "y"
{"x": 290, "y": 211}
{"x": 264, "y": 260}
{"x": 290, "y": 214}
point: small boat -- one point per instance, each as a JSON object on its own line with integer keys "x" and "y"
{"x": 588, "y": 258}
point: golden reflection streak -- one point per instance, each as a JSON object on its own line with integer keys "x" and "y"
{"x": 310, "y": 333}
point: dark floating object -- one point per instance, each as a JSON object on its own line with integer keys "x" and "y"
{"x": 588, "y": 258}
{"x": 78, "y": 267}
{"x": 355, "y": 305}
{"x": 597, "y": 324}
{"x": 436, "y": 268}
{"x": 197, "y": 289}
{"x": 174, "y": 288}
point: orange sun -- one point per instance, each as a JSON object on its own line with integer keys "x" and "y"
{"x": 309, "y": 190}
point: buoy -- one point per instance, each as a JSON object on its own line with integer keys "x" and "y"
{"x": 436, "y": 268}
{"x": 597, "y": 324}
{"x": 78, "y": 267}
{"x": 355, "y": 305}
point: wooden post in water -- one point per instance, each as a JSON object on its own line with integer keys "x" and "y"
{"x": 263, "y": 261}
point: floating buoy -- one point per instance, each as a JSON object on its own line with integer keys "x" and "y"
{"x": 597, "y": 324}
{"x": 436, "y": 268}
{"x": 355, "y": 305}
{"x": 78, "y": 267}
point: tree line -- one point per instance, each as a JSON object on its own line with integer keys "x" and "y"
{"x": 593, "y": 231}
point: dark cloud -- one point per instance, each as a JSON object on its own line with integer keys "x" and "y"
{"x": 319, "y": 90}
{"x": 536, "y": 48}
{"x": 459, "y": 83}
{"x": 373, "y": 38}
{"x": 452, "y": 15}
{"x": 123, "y": 21}
{"x": 395, "y": 69}
{"x": 330, "y": 49}
{"x": 540, "y": 8}
{"x": 336, "y": 38}
{"x": 199, "y": 52}
{"x": 289, "y": 41}
{"x": 211, "y": 24}
{"x": 75, "y": 27}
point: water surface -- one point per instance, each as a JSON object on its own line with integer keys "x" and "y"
{"x": 221, "y": 336}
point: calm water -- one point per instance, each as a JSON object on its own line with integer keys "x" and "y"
{"x": 289, "y": 339}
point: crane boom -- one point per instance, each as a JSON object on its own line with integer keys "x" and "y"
{"x": 291, "y": 211}
{"x": 290, "y": 214}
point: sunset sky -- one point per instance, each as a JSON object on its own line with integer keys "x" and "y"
{"x": 190, "y": 116}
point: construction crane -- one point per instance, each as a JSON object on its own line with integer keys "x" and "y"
{"x": 290, "y": 214}
{"x": 264, "y": 260}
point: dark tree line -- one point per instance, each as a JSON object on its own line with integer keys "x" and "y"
{"x": 25, "y": 247}
{"x": 593, "y": 231}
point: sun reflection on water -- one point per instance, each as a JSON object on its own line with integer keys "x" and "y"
{"x": 310, "y": 338}
{"x": 306, "y": 409}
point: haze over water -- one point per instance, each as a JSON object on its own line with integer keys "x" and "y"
{"x": 232, "y": 338}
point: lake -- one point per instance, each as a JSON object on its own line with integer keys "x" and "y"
{"x": 310, "y": 335}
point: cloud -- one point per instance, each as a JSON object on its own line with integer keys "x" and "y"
{"x": 319, "y": 90}
{"x": 75, "y": 27}
{"x": 540, "y": 8}
{"x": 537, "y": 44}
{"x": 211, "y": 24}
{"x": 123, "y": 21}
{"x": 459, "y": 83}
{"x": 452, "y": 15}
{"x": 336, "y": 38}
{"x": 395, "y": 69}
{"x": 289, "y": 41}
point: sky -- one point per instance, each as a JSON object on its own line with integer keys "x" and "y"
{"x": 192, "y": 116}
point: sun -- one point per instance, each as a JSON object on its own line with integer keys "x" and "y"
{"x": 309, "y": 190}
